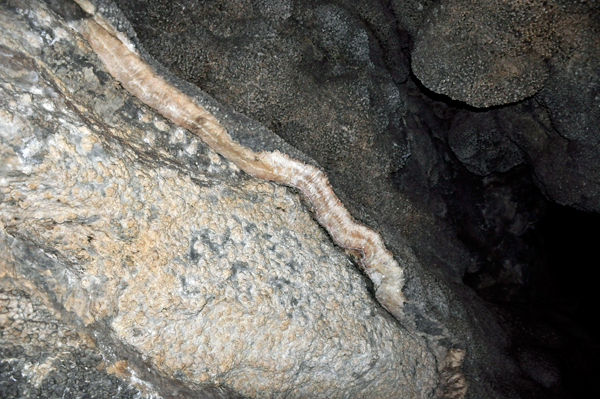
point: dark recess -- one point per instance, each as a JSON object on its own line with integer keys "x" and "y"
{"x": 571, "y": 239}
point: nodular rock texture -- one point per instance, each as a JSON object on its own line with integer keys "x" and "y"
{"x": 120, "y": 230}
{"x": 135, "y": 261}
{"x": 538, "y": 63}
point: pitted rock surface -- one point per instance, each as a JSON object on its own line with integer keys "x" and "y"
{"x": 43, "y": 357}
{"x": 541, "y": 54}
{"x": 212, "y": 276}
{"x": 486, "y": 53}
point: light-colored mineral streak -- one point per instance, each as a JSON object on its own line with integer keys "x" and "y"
{"x": 139, "y": 78}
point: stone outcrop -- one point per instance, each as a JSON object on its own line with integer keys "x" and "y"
{"x": 141, "y": 263}
{"x": 127, "y": 226}
{"x": 488, "y": 54}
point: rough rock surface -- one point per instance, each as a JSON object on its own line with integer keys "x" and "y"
{"x": 213, "y": 277}
{"x": 572, "y": 92}
{"x": 410, "y": 187}
{"x": 43, "y": 357}
{"x": 320, "y": 77}
{"x": 409, "y": 13}
{"x": 480, "y": 143}
{"x": 392, "y": 193}
{"x": 486, "y": 54}
{"x": 566, "y": 169}
{"x": 331, "y": 78}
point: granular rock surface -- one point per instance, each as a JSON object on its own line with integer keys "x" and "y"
{"x": 487, "y": 53}
{"x": 42, "y": 357}
{"x": 210, "y": 276}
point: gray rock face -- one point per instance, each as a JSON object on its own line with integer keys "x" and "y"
{"x": 276, "y": 60}
{"x": 481, "y": 145}
{"x": 486, "y": 55}
{"x": 210, "y": 276}
{"x": 323, "y": 79}
{"x": 322, "y": 76}
{"x": 44, "y": 357}
{"x": 572, "y": 92}
{"x": 409, "y": 13}
{"x": 497, "y": 140}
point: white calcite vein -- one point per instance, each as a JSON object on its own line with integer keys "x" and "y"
{"x": 138, "y": 78}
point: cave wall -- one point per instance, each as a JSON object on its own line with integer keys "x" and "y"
{"x": 445, "y": 125}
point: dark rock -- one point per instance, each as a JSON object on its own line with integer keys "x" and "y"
{"x": 480, "y": 142}
{"x": 485, "y": 53}
{"x": 36, "y": 369}
{"x": 567, "y": 170}
{"x": 572, "y": 92}
{"x": 409, "y": 13}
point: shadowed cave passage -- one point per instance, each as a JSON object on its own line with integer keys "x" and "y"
{"x": 571, "y": 239}
{"x": 554, "y": 311}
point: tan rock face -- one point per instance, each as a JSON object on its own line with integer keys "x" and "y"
{"x": 212, "y": 276}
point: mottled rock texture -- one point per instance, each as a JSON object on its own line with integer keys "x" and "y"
{"x": 409, "y": 13}
{"x": 393, "y": 159}
{"x": 42, "y": 356}
{"x": 483, "y": 52}
{"x": 211, "y": 276}
{"x": 129, "y": 237}
{"x": 392, "y": 193}
{"x": 486, "y": 53}
{"x": 566, "y": 170}
{"x": 327, "y": 81}
{"x": 489, "y": 53}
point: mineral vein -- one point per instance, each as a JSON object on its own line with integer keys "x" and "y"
{"x": 140, "y": 79}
